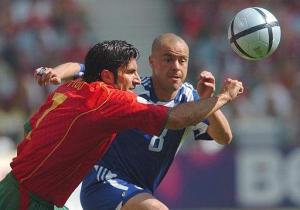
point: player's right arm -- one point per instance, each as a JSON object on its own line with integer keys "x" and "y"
{"x": 124, "y": 110}
{"x": 45, "y": 75}
{"x": 191, "y": 113}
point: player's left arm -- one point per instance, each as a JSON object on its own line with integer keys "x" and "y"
{"x": 45, "y": 75}
{"x": 219, "y": 128}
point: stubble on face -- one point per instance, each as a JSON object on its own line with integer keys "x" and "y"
{"x": 127, "y": 75}
{"x": 170, "y": 61}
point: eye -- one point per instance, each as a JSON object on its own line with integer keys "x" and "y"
{"x": 167, "y": 59}
{"x": 182, "y": 60}
{"x": 130, "y": 71}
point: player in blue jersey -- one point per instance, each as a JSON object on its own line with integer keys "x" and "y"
{"x": 130, "y": 171}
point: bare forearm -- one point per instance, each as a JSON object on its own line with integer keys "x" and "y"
{"x": 191, "y": 113}
{"x": 67, "y": 70}
{"x": 219, "y": 128}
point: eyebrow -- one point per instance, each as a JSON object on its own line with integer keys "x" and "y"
{"x": 173, "y": 55}
{"x": 130, "y": 70}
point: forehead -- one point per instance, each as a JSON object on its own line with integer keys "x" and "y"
{"x": 174, "y": 48}
{"x": 132, "y": 65}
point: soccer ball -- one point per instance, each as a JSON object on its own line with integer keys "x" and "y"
{"x": 254, "y": 33}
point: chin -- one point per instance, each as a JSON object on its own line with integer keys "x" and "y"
{"x": 174, "y": 87}
{"x": 177, "y": 85}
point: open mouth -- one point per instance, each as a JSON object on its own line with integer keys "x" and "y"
{"x": 175, "y": 78}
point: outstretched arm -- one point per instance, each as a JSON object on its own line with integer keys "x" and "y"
{"x": 44, "y": 75}
{"x": 191, "y": 113}
{"x": 219, "y": 128}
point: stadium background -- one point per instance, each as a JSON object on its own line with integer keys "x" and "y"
{"x": 259, "y": 170}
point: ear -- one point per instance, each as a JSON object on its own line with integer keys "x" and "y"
{"x": 107, "y": 77}
{"x": 150, "y": 61}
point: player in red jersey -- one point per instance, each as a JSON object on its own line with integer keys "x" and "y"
{"x": 75, "y": 126}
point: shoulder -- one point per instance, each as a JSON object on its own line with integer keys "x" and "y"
{"x": 187, "y": 93}
{"x": 104, "y": 92}
{"x": 188, "y": 86}
{"x": 145, "y": 81}
{"x": 145, "y": 88}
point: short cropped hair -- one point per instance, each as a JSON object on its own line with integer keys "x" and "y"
{"x": 108, "y": 55}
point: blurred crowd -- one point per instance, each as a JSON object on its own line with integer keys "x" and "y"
{"x": 34, "y": 33}
{"x": 268, "y": 113}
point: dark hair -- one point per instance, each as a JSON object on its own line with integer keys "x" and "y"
{"x": 108, "y": 55}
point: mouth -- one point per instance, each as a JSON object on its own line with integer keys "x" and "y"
{"x": 175, "y": 78}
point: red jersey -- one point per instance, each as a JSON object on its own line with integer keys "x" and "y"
{"x": 71, "y": 132}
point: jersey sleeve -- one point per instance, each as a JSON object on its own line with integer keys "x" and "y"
{"x": 81, "y": 71}
{"x": 128, "y": 111}
{"x": 200, "y": 131}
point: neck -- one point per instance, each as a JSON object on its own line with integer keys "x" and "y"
{"x": 162, "y": 93}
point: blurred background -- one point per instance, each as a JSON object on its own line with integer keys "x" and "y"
{"x": 259, "y": 170}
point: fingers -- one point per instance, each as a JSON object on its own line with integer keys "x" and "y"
{"x": 206, "y": 84}
{"x": 233, "y": 87}
{"x": 38, "y": 74}
{"x": 45, "y": 75}
{"x": 232, "y": 81}
{"x": 206, "y": 76}
{"x": 239, "y": 86}
{"x": 55, "y": 81}
{"x": 241, "y": 90}
{"x": 40, "y": 71}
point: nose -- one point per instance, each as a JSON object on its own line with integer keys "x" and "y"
{"x": 176, "y": 64}
{"x": 137, "y": 79}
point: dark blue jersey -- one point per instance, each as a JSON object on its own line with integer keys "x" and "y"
{"x": 144, "y": 159}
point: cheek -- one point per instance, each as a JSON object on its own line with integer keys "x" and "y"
{"x": 121, "y": 80}
{"x": 126, "y": 81}
{"x": 165, "y": 65}
{"x": 162, "y": 69}
{"x": 184, "y": 69}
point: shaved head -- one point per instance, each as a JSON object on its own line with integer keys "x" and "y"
{"x": 169, "y": 64}
{"x": 166, "y": 39}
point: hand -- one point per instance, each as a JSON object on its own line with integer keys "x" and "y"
{"x": 44, "y": 75}
{"x": 206, "y": 85}
{"x": 232, "y": 88}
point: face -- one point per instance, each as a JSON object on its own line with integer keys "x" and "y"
{"x": 128, "y": 76}
{"x": 169, "y": 67}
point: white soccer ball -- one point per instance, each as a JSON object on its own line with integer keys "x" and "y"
{"x": 254, "y": 33}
